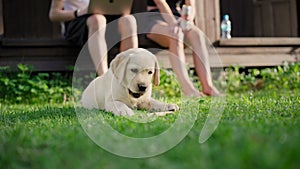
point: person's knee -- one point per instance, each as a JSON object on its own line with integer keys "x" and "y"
{"x": 96, "y": 22}
{"x": 177, "y": 39}
{"x": 196, "y": 33}
{"x": 128, "y": 24}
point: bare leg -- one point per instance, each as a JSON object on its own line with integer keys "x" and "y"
{"x": 96, "y": 43}
{"x": 201, "y": 60}
{"x": 177, "y": 57}
{"x": 177, "y": 60}
{"x": 128, "y": 31}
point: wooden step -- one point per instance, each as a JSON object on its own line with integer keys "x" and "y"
{"x": 268, "y": 41}
{"x": 251, "y": 58}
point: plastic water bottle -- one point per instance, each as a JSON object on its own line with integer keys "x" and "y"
{"x": 186, "y": 12}
{"x": 226, "y": 27}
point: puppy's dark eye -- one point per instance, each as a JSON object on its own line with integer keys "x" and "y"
{"x": 134, "y": 70}
{"x": 150, "y": 72}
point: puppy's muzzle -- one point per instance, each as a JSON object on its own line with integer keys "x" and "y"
{"x": 135, "y": 95}
{"x": 141, "y": 90}
{"x": 142, "y": 87}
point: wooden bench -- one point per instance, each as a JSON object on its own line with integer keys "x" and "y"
{"x": 259, "y": 52}
{"x": 31, "y": 38}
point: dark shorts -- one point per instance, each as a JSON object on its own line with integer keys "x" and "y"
{"x": 76, "y": 30}
{"x": 147, "y": 21}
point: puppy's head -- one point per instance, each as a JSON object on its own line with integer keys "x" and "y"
{"x": 135, "y": 69}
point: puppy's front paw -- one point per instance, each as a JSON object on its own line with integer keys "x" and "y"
{"x": 171, "y": 107}
{"x": 119, "y": 109}
{"x": 161, "y": 106}
{"x": 123, "y": 112}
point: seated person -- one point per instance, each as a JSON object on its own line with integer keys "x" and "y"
{"x": 80, "y": 25}
{"x": 166, "y": 31}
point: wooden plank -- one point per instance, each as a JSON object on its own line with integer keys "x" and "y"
{"x": 43, "y": 42}
{"x": 225, "y": 60}
{"x": 50, "y": 63}
{"x": 294, "y": 17}
{"x": 285, "y": 18}
{"x": 256, "y": 50}
{"x": 217, "y": 21}
{"x": 208, "y": 18}
{"x": 42, "y": 51}
{"x": 257, "y": 59}
{"x": 37, "y": 42}
{"x": 42, "y": 58}
{"x": 199, "y": 18}
{"x": 257, "y": 12}
{"x": 1, "y": 18}
{"x": 212, "y": 25}
{"x": 272, "y": 41}
{"x": 58, "y": 59}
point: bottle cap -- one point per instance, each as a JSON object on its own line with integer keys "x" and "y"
{"x": 226, "y": 17}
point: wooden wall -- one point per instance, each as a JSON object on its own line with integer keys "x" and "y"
{"x": 28, "y": 19}
{"x": 1, "y": 18}
{"x": 241, "y": 16}
{"x": 262, "y": 18}
{"x": 275, "y": 18}
{"x": 31, "y": 38}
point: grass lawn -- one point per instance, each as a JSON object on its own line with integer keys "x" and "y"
{"x": 257, "y": 130}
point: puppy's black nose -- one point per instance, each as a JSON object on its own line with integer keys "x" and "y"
{"x": 142, "y": 87}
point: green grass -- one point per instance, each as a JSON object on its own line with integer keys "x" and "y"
{"x": 257, "y": 130}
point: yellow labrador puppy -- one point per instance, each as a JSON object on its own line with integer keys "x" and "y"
{"x": 126, "y": 85}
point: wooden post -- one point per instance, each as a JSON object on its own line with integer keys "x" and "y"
{"x": 208, "y": 18}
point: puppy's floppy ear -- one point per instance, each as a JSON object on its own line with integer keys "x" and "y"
{"x": 118, "y": 66}
{"x": 156, "y": 73}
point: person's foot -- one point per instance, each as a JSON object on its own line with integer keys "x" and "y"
{"x": 193, "y": 93}
{"x": 212, "y": 91}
